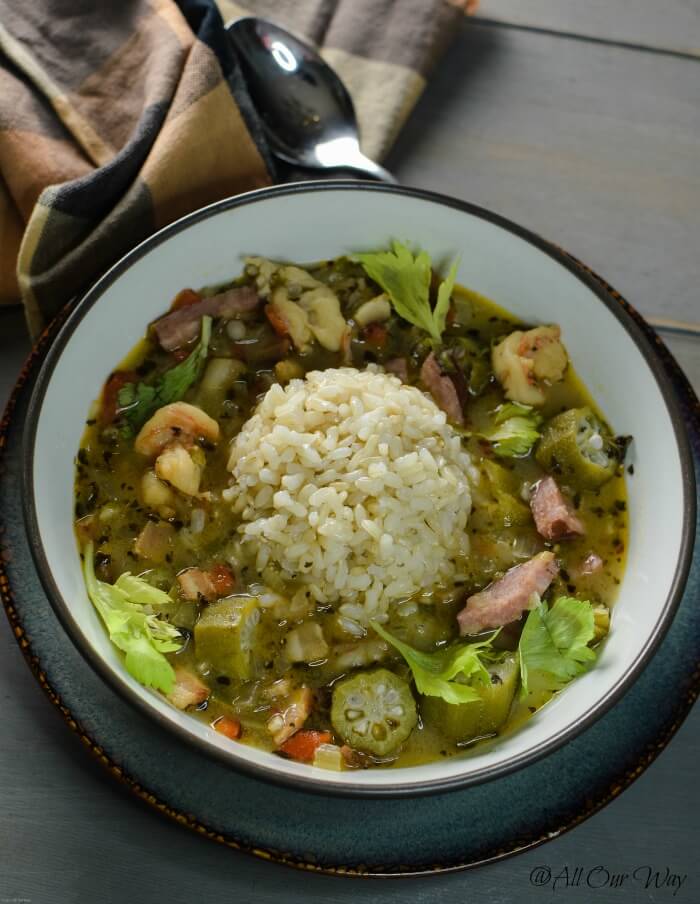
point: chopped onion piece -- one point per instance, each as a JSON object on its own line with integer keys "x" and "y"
{"x": 236, "y": 330}
{"x": 329, "y": 756}
{"x": 198, "y": 520}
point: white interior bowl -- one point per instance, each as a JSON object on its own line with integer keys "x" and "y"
{"x": 311, "y": 221}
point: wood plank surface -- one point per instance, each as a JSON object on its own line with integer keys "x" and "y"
{"x": 594, "y": 147}
{"x": 670, "y": 24}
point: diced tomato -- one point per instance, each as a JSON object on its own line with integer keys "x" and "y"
{"x": 277, "y": 321}
{"x": 223, "y": 579}
{"x": 231, "y": 728}
{"x": 184, "y": 299}
{"x": 376, "y": 335}
{"x": 110, "y": 394}
{"x": 303, "y": 745}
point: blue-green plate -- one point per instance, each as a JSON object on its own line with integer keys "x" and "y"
{"x": 353, "y": 836}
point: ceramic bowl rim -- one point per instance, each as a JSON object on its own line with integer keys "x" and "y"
{"x": 311, "y": 783}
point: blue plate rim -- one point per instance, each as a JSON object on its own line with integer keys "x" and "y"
{"x": 592, "y": 805}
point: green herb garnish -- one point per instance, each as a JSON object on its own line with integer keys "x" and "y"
{"x": 434, "y": 673}
{"x": 516, "y": 431}
{"x": 139, "y": 633}
{"x": 556, "y": 641}
{"x": 406, "y": 280}
{"x": 138, "y": 401}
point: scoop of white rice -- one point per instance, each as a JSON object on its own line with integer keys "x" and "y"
{"x": 355, "y": 486}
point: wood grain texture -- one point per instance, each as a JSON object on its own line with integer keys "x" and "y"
{"x": 671, "y": 24}
{"x": 594, "y": 147}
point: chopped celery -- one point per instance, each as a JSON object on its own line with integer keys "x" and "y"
{"x": 329, "y": 756}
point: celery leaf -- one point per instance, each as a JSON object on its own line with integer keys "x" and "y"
{"x": 406, "y": 280}
{"x": 516, "y": 430}
{"x": 556, "y": 641}
{"x": 141, "y": 635}
{"x": 435, "y": 673}
{"x": 138, "y": 401}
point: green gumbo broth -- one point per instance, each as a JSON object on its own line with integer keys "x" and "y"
{"x": 246, "y": 354}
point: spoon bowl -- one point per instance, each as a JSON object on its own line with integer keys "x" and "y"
{"x": 306, "y": 111}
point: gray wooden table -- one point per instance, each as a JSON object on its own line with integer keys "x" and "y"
{"x": 581, "y": 120}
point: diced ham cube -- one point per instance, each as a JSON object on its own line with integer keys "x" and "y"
{"x": 442, "y": 389}
{"x": 505, "y": 600}
{"x": 554, "y": 517}
{"x": 398, "y": 367}
{"x": 196, "y": 583}
{"x": 182, "y": 325}
{"x": 189, "y": 689}
{"x": 154, "y": 541}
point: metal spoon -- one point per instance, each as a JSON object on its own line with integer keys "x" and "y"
{"x": 306, "y": 111}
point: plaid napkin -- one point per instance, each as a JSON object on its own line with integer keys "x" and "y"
{"x": 118, "y": 117}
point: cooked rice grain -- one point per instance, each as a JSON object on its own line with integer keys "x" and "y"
{"x": 355, "y": 485}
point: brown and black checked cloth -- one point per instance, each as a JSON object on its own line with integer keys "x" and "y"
{"x": 118, "y": 117}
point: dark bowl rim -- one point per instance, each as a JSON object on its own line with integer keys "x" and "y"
{"x": 311, "y": 783}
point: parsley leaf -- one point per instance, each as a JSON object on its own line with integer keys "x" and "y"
{"x": 406, "y": 280}
{"x": 138, "y": 401}
{"x": 517, "y": 430}
{"x": 434, "y": 673}
{"x": 555, "y": 641}
{"x": 140, "y": 634}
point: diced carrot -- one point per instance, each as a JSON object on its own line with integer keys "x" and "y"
{"x": 375, "y": 334}
{"x": 277, "y": 321}
{"x": 231, "y": 728}
{"x": 110, "y": 394}
{"x": 223, "y": 579}
{"x": 184, "y": 299}
{"x": 302, "y": 746}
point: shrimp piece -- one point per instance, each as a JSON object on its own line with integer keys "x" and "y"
{"x": 178, "y": 421}
{"x": 177, "y": 468}
{"x": 157, "y": 495}
{"x": 325, "y": 320}
{"x": 525, "y": 362}
{"x": 155, "y": 541}
{"x": 289, "y": 319}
